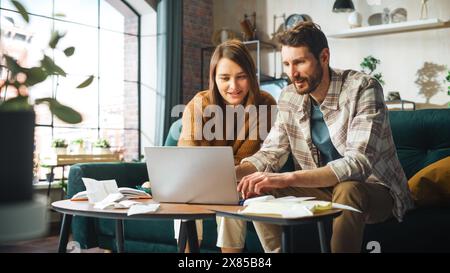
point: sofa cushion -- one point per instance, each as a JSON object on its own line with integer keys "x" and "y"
{"x": 421, "y": 137}
{"x": 431, "y": 185}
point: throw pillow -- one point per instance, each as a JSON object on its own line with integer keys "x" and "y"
{"x": 431, "y": 185}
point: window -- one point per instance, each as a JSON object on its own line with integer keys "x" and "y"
{"x": 105, "y": 34}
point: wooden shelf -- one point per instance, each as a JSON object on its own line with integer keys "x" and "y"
{"x": 54, "y": 160}
{"x": 391, "y": 28}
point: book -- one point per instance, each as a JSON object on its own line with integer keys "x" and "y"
{"x": 105, "y": 194}
{"x": 98, "y": 190}
{"x": 289, "y": 206}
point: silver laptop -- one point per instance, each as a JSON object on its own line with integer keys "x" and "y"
{"x": 201, "y": 175}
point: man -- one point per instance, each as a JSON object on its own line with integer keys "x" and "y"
{"x": 336, "y": 125}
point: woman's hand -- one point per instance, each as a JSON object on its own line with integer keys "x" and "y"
{"x": 260, "y": 182}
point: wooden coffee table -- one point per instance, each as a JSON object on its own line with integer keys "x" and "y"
{"x": 188, "y": 213}
{"x": 287, "y": 224}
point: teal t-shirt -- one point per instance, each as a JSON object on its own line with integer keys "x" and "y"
{"x": 321, "y": 136}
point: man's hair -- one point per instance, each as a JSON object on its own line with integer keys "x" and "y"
{"x": 306, "y": 34}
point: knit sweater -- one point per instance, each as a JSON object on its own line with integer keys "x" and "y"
{"x": 242, "y": 147}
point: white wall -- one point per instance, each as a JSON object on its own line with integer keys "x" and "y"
{"x": 401, "y": 54}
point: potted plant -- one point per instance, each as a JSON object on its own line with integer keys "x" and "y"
{"x": 101, "y": 146}
{"x": 17, "y": 116}
{"x": 60, "y": 146}
{"x": 369, "y": 65}
{"x": 77, "y": 146}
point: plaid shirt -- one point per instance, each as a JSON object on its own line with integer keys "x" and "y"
{"x": 357, "y": 119}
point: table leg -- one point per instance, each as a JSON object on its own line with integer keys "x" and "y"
{"x": 188, "y": 235}
{"x": 62, "y": 183}
{"x": 50, "y": 180}
{"x": 182, "y": 238}
{"x": 64, "y": 233}
{"x": 119, "y": 236}
{"x": 322, "y": 237}
{"x": 287, "y": 242}
{"x": 192, "y": 236}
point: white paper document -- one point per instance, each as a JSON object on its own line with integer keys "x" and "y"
{"x": 105, "y": 194}
{"x": 98, "y": 190}
{"x": 142, "y": 209}
{"x": 115, "y": 201}
{"x": 289, "y": 207}
{"x": 292, "y": 199}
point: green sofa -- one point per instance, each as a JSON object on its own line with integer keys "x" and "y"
{"x": 421, "y": 137}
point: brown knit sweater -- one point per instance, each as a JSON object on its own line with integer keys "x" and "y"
{"x": 241, "y": 148}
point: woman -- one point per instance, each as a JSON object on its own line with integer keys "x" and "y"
{"x": 232, "y": 85}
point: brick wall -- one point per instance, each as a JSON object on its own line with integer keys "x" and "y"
{"x": 197, "y": 33}
{"x": 130, "y": 117}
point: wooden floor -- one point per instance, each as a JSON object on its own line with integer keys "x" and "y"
{"x": 43, "y": 245}
{"x": 48, "y": 244}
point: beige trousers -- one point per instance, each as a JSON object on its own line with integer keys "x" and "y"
{"x": 374, "y": 200}
{"x": 230, "y": 232}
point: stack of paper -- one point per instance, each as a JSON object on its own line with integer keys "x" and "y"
{"x": 288, "y": 207}
{"x": 114, "y": 201}
{"x": 106, "y": 195}
{"x": 98, "y": 190}
{"x": 143, "y": 208}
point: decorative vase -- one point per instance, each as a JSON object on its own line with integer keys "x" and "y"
{"x": 224, "y": 35}
{"x": 49, "y": 177}
{"x": 60, "y": 151}
{"x": 77, "y": 149}
{"x": 16, "y": 156}
{"x": 355, "y": 19}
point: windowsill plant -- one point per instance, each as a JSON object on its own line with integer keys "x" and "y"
{"x": 60, "y": 146}
{"x": 77, "y": 146}
{"x": 101, "y": 146}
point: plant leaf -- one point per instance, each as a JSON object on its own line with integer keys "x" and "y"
{"x": 35, "y": 75}
{"x": 63, "y": 112}
{"x": 87, "y": 82}
{"x": 21, "y": 9}
{"x": 56, "y": 36}
{"x": 12, "y": 65}
{"x": 69, "y": 51}
{"x": 19, "y": 103}
{"x": 51, "y": 68}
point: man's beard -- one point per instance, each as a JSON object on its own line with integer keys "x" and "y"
{"x": 312, "y": 81}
